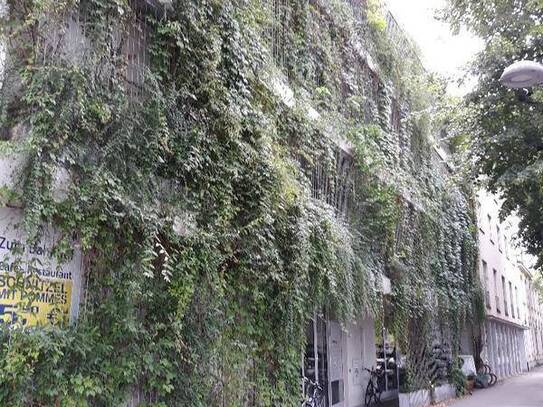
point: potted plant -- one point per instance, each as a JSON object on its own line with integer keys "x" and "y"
{"x": 458, "y": 379}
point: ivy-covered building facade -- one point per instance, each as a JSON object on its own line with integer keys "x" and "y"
{"x": 257, "y": 192}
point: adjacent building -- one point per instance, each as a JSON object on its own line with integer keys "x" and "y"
{"x": 533, "y": 318}
{"x": 511, "y": 335}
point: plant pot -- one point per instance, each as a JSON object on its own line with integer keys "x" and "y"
{"x": 420, "y": 398}
{"x": 470, "y": 385}
{"x": 443, "y": 393}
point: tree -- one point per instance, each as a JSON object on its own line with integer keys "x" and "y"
{"x": 504, "y": 127}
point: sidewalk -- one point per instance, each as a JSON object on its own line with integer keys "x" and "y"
{"x": 520, "y": 391}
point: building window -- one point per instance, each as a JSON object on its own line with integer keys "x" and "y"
{"x": 480, "y": 217}
{"x": 504, "y": 292}
{"x": 516, "y": 300}
{"x": 489, "y": 220}
{"x": 375, "y": 85}
{"x": 505, "y": 244}
{"x": 395, "y": 117}
{"x": 498, "y": 238}
{"x": 511, "y": 298}
{"x": 334, "y": 185}
{"x": 135, "y": 50}
{"x": 495, "y": 274}
{"x": 487, "y": 283}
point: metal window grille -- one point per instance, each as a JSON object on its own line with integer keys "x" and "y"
{"x": 401, "y": 42}
{"x": 358, "y": 7}
{"x": 395, "y": 117}
{"x": 277, "y": 30}
{"x": 129, "y": 42}
{"x": 135, "y": 51}
{"x": 334, "y": 189}
{"x": 375, "y": 84}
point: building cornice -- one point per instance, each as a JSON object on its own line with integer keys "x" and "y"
{"x": 506, "y": 322}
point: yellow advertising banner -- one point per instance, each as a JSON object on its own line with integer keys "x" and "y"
{"x": 35, "y": 287}
{"x": 30, "y": 300}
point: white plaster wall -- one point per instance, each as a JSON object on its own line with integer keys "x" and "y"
{"x": 466, "y": 342}
{"x": 360, "y": 353}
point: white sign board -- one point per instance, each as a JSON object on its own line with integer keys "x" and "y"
{"x": 468, "y": 368}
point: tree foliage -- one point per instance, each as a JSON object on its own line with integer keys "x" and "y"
{"x": 503, "y": 126}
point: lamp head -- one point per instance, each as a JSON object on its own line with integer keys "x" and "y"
{"x": 522, "y": 74}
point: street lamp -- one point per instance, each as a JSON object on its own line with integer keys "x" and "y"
{"x": 522, "y": 74}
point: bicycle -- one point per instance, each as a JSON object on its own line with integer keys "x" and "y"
{"x": 373, "y": 391}
{"x": 313, "y": 393}
{"x": 487, "y": 370}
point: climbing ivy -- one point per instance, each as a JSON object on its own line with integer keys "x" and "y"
{"x": 192, "y": 197}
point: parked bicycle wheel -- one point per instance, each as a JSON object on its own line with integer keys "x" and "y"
{"x": 320, "y": 402}
{"x": 369, "y": 397}
{"x": 373, "y": 395}
{"x": 314, "y": 394}
{"x": 493, "y": 380}
{"x": 487, "y": 370}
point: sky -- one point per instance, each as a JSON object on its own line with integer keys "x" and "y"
{"x": 442, "y": 52}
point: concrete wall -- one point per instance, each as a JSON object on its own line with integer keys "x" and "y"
{"x": 534, "y": 347}
{"x": 504, "y": 348}
{"x": 3, "y": 10}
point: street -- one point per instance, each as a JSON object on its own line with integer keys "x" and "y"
{"x": 521, "y": 391}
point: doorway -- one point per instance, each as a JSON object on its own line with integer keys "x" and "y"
{"x": 337, "y": 387}
{"x": 315, "y": 355}
{"x": 323, "y": 359}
